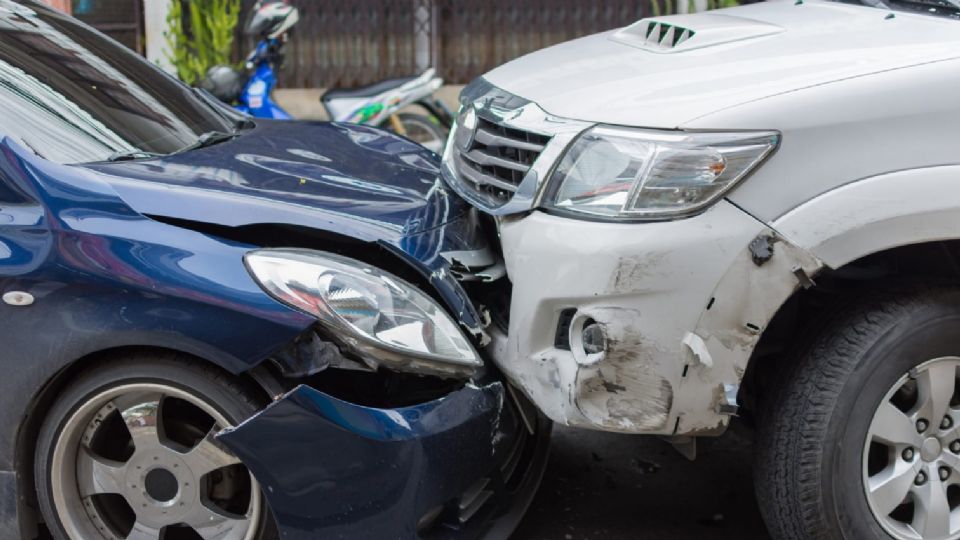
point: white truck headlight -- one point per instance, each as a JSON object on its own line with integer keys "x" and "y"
{"x": 623, "y": 173}
{"x": 381, "y": 317}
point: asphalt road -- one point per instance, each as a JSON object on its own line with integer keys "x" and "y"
{"x": 606, "y": 486}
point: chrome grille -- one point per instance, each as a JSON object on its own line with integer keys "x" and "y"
{"x": 503, "y": 148}
{"x": 492, "y": 160}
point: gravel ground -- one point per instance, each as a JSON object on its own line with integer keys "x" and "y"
{"x": 609, "y": 486}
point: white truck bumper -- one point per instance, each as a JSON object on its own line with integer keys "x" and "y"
{"x": 681, "y": 305}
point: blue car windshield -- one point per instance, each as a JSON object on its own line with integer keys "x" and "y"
{"x": 939, "y": 8}
{"x": 73, "y": 95}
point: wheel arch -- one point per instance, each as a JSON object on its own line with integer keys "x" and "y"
{"x": 798, "y": 314}
{"x": 876, "y": 214}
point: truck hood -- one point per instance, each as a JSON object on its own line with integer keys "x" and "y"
{"x": 665, "y": 71}
{"x": 351, "y": 180}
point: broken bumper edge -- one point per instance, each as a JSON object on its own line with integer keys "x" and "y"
{"x": 465, "y": 465}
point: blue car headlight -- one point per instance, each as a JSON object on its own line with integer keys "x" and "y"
{"x": 379, "y": 316}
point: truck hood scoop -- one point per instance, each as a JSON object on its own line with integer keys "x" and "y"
{"x": 686, "y": 32}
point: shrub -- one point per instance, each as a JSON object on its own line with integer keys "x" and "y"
{"x": 202, "y": 39}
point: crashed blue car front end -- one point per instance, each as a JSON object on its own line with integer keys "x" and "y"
{"x": 320, "y": 270}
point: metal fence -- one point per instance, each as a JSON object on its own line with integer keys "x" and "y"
{"x": 120, "y": 19}
{"x": 348, "y": 42}
{"x": 343, "y": 43}
{"x": 476, "y": 36}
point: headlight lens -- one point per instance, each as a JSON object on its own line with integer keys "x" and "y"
{"x": 368, "y": 308}
{"x": 633, "y": 173}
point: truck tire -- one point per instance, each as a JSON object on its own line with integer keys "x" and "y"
{"x": 127, "y": 451}
{"x": 863, "y": 440}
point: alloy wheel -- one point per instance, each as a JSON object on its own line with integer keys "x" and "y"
{"x": 911, "y": 463}
{"x": 140, "y": 462}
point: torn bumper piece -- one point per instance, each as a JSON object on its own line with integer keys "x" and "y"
{"x": 463, "y": 466}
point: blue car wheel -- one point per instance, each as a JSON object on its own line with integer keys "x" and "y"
{"x": 128, "y": 452}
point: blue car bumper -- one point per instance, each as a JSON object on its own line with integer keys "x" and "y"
{"x": 465, "y": 465}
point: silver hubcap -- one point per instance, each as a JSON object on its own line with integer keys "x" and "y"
{"x": 911, "y": 464}
{"x": 140, "y": 462}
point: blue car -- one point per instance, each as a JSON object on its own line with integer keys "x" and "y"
{"x": 213, "y": 328}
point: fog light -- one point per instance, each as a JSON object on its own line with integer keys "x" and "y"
{"x": 594, "y": 342}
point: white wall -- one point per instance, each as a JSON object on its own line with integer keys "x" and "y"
{"x": 155, "y": 23}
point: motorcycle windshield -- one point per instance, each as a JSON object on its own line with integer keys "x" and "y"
{"x": 73, "y": 95}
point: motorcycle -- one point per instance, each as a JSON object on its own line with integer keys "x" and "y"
{"x": 379, "y": 104}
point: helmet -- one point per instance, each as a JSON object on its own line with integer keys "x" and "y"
{"x": 224, "y": 82}
{"x": 271, "y": 19}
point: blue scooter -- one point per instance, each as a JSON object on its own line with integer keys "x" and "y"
{"x": 379, "y": 104}
{"x": 256, "y": 97}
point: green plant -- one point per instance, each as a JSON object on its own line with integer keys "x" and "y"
{"x": 717, "y": 4}
{"x": 205, "y": 40}
{"x": 667, "y": 6}
{"x": 665, "y": 9}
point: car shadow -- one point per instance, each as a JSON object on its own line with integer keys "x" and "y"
{"x": 601, "y": 485}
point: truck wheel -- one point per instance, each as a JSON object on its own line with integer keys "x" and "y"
{"x": 864, "y": 439}
{"x": 127, "y": 451}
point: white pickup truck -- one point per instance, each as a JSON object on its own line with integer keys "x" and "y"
{"x": 754, "y": 212}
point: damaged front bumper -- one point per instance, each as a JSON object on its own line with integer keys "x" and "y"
{"x": 465, "y": 465}
{"x": 681, "y": 306}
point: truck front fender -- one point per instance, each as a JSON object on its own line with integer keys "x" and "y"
{"x": 877, "y": 213}
{"x": 832, "y": 230}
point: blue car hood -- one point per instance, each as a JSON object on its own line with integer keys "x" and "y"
{"x": 353, "y": 180}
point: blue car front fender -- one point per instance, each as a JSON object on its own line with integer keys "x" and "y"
{"x": 102, "y": 276}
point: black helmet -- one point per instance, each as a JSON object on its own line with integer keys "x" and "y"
{"x": 224, "y": 82}
{"x": 271, "y": 19}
